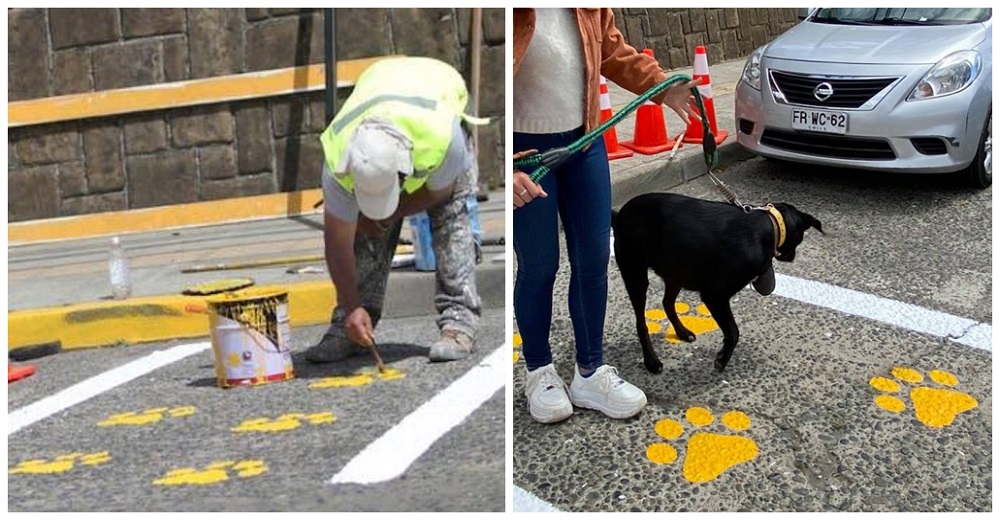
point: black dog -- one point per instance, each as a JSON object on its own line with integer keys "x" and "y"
{"x": 714, "y": 248}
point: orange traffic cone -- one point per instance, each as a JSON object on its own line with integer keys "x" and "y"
{"x": 15, "y": 373}
{"x": 610, "y": 136}
{"x": 650, "y": 128}
{"x": 694, "y": 132}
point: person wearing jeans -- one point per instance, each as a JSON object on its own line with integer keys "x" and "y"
{"x": 559, "y": 57}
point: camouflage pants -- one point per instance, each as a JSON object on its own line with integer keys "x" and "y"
{"x": 456, "y": 297}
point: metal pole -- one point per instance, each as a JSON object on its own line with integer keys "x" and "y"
{"x": 476, "y": 45}
{"x": 329, "y": 36}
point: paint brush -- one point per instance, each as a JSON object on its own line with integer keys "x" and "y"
{"x": 378, "y": 358}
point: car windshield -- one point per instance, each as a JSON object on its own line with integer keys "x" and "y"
{"x": 901, "y": 16}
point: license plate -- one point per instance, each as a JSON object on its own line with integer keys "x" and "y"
{"x": 816, "y": 121}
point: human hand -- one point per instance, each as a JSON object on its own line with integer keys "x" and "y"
{"x": 680, "y": 100}
{"x": 375, "y": 228}
{"x": 525, "y": 190}
{"x": 358, "y": 327}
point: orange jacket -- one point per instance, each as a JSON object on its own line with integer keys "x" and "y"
{"x": 605, "y": 53}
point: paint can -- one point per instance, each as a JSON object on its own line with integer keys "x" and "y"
{"x": 251, "y": 337}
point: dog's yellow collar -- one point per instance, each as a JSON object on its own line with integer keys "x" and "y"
{"x": 780, "y": 222}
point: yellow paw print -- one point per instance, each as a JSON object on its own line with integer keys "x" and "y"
{"x": 363, "y": 377}
{"x": 143, "y": 418}
{"x": 60, "y": 464}
{"x": 517, "y": 347}
{"x": 699, "y": 322}
{"x": 707, "y": 455}
{"x": 935, "y": 407}
{"x": 212, "y": 474}
{"x": 288, "y": 421}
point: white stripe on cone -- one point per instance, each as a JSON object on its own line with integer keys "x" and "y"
{"x": 605, "y": 97}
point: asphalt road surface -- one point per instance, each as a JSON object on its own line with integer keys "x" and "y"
{"x": 862, "y": 384}
{"x": 159, "y": 435}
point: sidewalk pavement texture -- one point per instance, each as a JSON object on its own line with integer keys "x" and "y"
{"x": 59, "y": 291}
{"x": 644, "y": 173}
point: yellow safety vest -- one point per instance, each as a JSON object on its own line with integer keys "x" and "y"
{"x": 421, "y": 97}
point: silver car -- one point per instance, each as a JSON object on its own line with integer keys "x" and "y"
{"x": 902, "y": 90}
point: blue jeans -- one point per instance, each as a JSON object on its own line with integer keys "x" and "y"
{"x": 579, "y": 193}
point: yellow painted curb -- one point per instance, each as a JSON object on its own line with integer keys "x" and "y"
{"x": 166, "y": 217}
{"x": 142, "y": 320}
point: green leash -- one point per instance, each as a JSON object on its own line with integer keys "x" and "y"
{"x": 550, "y": 159}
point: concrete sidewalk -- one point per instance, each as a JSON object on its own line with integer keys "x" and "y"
{"x": 642, "y": 173}
{"x": 60, "y": 291}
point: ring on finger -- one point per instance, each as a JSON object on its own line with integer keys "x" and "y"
{"x": 523, "y": 192}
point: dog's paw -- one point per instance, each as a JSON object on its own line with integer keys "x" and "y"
{"x": 697, "y": 322}
{"x": 654, "y": 367}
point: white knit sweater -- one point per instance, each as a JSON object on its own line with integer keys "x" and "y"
{"x": 549, "y": 87}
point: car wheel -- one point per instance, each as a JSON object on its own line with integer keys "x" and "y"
{"x": 979, "y": 174}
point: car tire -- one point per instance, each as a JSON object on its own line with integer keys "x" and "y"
{"x": 979, "y": 174}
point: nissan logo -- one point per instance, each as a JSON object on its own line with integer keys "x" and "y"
{"x": 823, "y": 91}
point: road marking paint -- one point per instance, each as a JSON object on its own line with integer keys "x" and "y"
{"x": 527, "y": 502}
{"x": 391, "y": 455}
{"x": 288, "y": 421}
{"x": 911, "y": 317}
{"x": 60, "y": 464}
{"x": 364, "y": 377}
{"x": 707, "y": 455}
{"x": 98, "y": 384}
{"x": 934, "y": 407}
{"x": 212, "y": 474}
{"x": 145, "y": 417}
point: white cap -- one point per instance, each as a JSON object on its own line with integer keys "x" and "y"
{"x": 376, "y": 154}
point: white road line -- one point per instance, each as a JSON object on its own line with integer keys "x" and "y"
{"x": 390, "y": 455}
{"x": 911, "y": 317}
{"x": 527, "y": 502}
{"x": 98, "y": 384}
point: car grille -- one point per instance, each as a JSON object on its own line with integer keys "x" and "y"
{"x": 847, "y": 93}
{"x": 828, "y": 145}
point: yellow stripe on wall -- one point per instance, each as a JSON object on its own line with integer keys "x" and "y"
{"x": 165, "y": 217}
{"x": 220, "y": 89}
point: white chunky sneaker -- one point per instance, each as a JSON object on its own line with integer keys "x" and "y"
{"x": 546, "y": 394}
{"x": 605, "y": 392}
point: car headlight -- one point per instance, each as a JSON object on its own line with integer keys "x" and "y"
{"x": 950, "y": 75}
{"x": 751, "y": 71}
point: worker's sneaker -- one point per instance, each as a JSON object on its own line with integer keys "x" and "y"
{"x": 452, "y": 345}
{"x": 606, "y": 392}
{"x": 546, "y": 392}
{"x": 333, "y": 348}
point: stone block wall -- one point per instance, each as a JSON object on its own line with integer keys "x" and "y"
{"x": 727, "y": 33}
{"x": 208, "y": 152}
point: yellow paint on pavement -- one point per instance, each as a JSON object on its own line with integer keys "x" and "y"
{"x": 699, "y": 416}
{"x": 153, "y": 415}
{"x": 669, "y": 429}
{"x": 59, "y": 464}
{"x": 362, "y": 378}
{"x": 212, "y": 474}
{"x": 934, "y": 407}
{"x": 286, "y": 422}
{"x": 707, "y": 455}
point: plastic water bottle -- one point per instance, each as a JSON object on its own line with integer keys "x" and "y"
{"x": 423, "y": 249}
{"x": 472, "y": 205}
{"x": 121, "y": 285}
